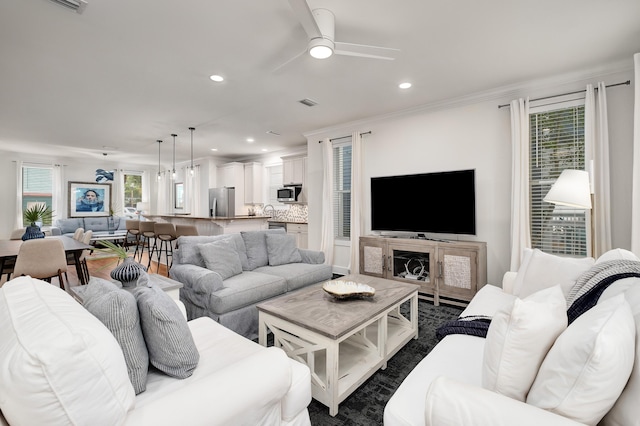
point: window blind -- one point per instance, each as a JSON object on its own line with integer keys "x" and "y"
{"x": 557, "y": 143}
{"x": 342, "y": 190}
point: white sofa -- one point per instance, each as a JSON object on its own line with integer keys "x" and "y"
{"x": 464, "y": 380}
{"x": 60, "y": 365}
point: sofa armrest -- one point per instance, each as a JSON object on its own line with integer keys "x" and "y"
{"x": 198, "y": 279}
{"x": 450, "y": 402}
{"x": 55, "y": 230}
{"x": 311, "y": 256}
{"x": 246, "y": 392}
{"x": 507, "y": 281}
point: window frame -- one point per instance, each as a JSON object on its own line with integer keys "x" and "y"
{"x": 26, "y": 201}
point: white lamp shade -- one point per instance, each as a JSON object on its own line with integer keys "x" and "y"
{"x": 571, "y": 189}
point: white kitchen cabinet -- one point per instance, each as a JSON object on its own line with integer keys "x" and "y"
{"x": 294, "y": 170}
{"x": 253, "y": 183}
{"x": 301, "y": 232}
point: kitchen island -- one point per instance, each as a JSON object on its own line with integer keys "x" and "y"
{"x": 214, "y": 225}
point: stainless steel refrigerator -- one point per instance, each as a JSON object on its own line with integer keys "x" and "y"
{"x": 222, "y": 202}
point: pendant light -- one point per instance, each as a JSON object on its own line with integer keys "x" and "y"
{"x": 192, "y": 129}
{"x": 173, "y": 171}
{"x": 159, "y": 175}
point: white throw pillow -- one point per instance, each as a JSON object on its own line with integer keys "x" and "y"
{"x": 545, "y": 270}
{"x": 617, "y": 254}
{"x": 60, "y": 364}
{"x": 518, "y": 340}
{"x": 586, "y": 369}
{"x": 486, "y": 302}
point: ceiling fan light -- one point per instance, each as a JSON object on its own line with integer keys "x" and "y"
{"x": 320, "y": 48}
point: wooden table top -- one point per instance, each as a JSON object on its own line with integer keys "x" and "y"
{"x": 316, "y": 310}
{"x": 10, "y": 248}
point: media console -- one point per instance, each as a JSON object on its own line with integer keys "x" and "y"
{"x": 447, "y": 271}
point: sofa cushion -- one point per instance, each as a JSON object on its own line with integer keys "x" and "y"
{"x": 519, "y": 338}
{"x": 298, "y": 275}
{"x": 221, "y": 256}
{"x": 118, "y": 311}
{"x": 281, "y": 249}
{"x": 166, "y": 333}
{"x": 245, "y": 289}
{"x": 69, "y": 226}
{"x": 588, "y": 366}
{"x": 541, "y": 270}
{"x": 486, "y": 302}
{"x": 256, "y": 245}
{"x": 58, "y": 360}
{"x": 188, "y": 251}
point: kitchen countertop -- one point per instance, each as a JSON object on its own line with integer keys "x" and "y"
{"x": 188, "y": 216}
{"x": 287, "y": 221}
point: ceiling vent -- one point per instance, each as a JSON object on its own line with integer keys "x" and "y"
{"x": 308, "y": 102}
{"x": 271, "y": 132}
{"x": 75, "y": 5}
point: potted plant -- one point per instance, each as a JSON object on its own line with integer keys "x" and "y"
{"x": 126, "y": 272}
{"x": 37, "y": 213}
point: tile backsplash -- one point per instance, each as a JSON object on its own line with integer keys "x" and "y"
{"x": 294, "y": 213}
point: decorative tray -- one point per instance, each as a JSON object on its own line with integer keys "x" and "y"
{"x": 348, "y": 289}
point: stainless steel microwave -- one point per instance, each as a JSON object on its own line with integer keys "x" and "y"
{"x": 289, "y": 194}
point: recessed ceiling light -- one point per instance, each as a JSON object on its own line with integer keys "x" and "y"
{"x": 251, "y": 140}
{"x": 264, "y": 150}
{"x": 405, "y": 85}
{"x": 217, "y": 78}
{"x": 214, "y": 149}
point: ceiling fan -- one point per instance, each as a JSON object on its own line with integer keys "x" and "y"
{"x": 319, "y": 24}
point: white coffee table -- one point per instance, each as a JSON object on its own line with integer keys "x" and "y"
{"x": 343, "y": 342}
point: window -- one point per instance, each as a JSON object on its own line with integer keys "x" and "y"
{"x": 132, "y": 189}
{"x": 557, "y": 143}
{"x": 37, "y": 184}
{"x": 342, "y": 191}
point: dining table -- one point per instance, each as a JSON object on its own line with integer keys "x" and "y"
{"x": 9, "y": 252}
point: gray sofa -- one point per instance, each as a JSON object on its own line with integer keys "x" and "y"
{"x": 96, "y": 224}
{"x": 226, "y": 276}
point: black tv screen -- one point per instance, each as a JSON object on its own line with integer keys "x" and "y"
{"x": 442, "y": 203}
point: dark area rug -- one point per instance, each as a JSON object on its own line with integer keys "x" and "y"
{"x": 365, "y": 406}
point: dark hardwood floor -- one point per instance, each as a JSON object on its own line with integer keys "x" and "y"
{"x": 101, "y": 266}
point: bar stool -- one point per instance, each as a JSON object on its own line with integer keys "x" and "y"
{"x": 146, "y": 233}
{"x": 166, "y": 234}
{"x": 185, "y": 230}
{"x": 133, "y": 231}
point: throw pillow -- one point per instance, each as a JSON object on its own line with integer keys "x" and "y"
{"x": 545, "y": 270}
{"x": 166, "y": 333}
{"x": 616, "y": 254}
{"x": 587, "y": 367}
{"x": 486, "y": 302}
{"x": 118, "y": 311}
{"x": 519, "y": 338}
{"x": 281, "y": 249}
{"x": 221, "y": 256}
{"x": 256, "y": 245}
{"x": 61, "y": 365}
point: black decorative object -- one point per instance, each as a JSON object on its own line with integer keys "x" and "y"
{"x": 128, "y": 272}
{"x": 32, "y": 232}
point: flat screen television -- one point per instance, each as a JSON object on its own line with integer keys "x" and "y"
{"x": 442, "y": 203}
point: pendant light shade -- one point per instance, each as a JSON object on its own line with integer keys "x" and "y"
{"x": 191, "y": 169}
{"x": 159, "y": 175}
{"x": 173, "y": 171}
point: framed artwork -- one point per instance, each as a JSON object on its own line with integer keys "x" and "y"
{"x": 89, "y": 199}
{"x": 179, "y": 195}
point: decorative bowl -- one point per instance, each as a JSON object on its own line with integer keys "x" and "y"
{"x": 347, "y": 289}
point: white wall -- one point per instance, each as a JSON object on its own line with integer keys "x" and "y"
{"x": 472, "y": 133}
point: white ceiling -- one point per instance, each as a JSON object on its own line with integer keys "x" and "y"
{"x": 126, "y": 73}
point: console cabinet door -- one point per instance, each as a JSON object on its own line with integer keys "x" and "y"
{"x": 373, "y": 257}
{"x": 412, "y": 263}
{"x": 457, "y": 273}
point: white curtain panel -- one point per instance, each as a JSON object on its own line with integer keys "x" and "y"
{"x": 597, "y": 162}
{"x": 195, "y": 201}
{"x": 520, "y": 222}
{"x": 635, "y": 206}
{"x": 58, "y": 203}
{"x": 327, "y": 237}
{"x": 117, "y": 200}
{"x": 18, "y": 223}
{"x": 357, "y": 221}
{"x": 164, "y": 195}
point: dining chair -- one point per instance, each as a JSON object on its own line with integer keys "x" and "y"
{"x": 8, "y": 263}
{"x": 84, "y": 269}
{"x": 42, "y": 258}
{"x": 17, "y": 234}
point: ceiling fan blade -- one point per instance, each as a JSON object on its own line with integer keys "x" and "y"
{"x": 305, "y": 16}
{"x": 364, "y": 51}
